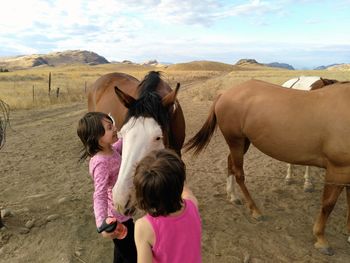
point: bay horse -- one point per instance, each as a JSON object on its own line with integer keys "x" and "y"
{"x": 148, "y": 117}
{"x": 305, "y": 83}
{"x": 274, "y": 119}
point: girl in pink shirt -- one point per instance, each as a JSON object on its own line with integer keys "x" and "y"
{"x": 99, "y": 137}
{"x": 170, "y": 232}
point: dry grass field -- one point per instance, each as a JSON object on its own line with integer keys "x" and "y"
{"x": 47, "y": 196}
{"x": 26, "y": 89}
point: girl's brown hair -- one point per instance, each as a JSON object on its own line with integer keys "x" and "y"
{"x": 90, "y": 130}
{"x": 159, "y": 180}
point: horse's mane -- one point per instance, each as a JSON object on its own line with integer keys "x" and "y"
{"x": 333, "y": 81}
{"x": 4, "y": 120}
{"x": 149, "y": 103}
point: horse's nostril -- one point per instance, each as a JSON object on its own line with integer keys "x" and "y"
{"x": 127, "y": 203}
{"x": 129, "y": 208}
{"x": 129, "y": 211}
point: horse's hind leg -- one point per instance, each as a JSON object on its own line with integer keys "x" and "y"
{"x": 237, "y": 148}
{"x": 308, "y": 186}
{"x": 331, "y": 193}
{"x": 230, "y": 184}
{"x": 288, "y": 178}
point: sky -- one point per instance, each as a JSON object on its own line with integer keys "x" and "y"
{"x": 302, "y": 33}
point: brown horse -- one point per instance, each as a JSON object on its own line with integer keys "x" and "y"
{"x": 293, "y": 126}
{"x": 305, "y": 83}
{"x": 4, "y": 120}
{"x": 148, "y": 117}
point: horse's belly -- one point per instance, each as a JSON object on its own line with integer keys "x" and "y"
{"x": 291, "y": 151}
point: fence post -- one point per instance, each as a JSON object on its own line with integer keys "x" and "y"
{"x": 49, "y": 83}
{"x": 33, "y": 93}
{"x": 57, "y": 92}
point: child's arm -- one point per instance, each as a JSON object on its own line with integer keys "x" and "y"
{"x": 187, "y": 194}
{"x": 100, "y": 197}
{"x": 144, "y": 237}
{"x": 118, "y": 146}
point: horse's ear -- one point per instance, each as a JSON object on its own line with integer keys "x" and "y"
{"x": 170, "y": 98}
{"x": 126, "y": 99}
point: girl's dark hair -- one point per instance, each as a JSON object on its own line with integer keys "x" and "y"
{"x": 159, "y": 181}
{"x": 90, "y": 130}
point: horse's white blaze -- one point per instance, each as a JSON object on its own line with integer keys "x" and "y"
{"x": 140, "y": 136}
{"x": 301, "y": 83}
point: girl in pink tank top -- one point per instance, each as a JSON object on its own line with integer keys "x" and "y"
{"x": 170, "y": 232}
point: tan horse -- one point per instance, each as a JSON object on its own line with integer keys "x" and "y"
{"x": 299, "y": 127}
{"x": 148, "y": 117}
{"x": 305, "y": 83}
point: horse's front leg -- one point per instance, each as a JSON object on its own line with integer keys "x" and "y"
{"x": 230, "y": 184}
{"x": 237, "y": 154}
{"x": 331, "y": 193}
{"x": 308, "y": 186}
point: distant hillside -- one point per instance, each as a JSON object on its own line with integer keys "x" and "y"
{"x": 248, "y": 62}
{"x": 52, "y": 59}
{"x": 343, "y": 67}
{"x": 280, "y": 65}
{"x": 324, "y": 67}
{"x": 202, "y": 65}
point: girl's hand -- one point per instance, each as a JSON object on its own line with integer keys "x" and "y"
{"x": 111, "y": 235}
{"x": 188, "y": 194}
{"x": 119, "y": 232}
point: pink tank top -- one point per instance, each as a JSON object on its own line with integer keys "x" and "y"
{"x": 177, "y": 238}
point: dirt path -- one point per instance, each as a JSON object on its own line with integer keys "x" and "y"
{"x": 47, "y": 195}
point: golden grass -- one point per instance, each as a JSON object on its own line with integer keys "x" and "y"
{"x": 208, "y": 90}
{"x": 16, "y": 88}
{"x": 205, "y": 79}
{"x": 202, "y": 66}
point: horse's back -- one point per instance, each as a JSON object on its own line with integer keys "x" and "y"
{"x": 273, "y": 100}
{"x": 274, "y": 118}
{"x": 102, "y": 97}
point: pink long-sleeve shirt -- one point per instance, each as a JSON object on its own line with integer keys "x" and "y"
{"x": 104, "y": 171}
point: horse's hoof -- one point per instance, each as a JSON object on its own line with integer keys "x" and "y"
{"x": 326, "y": 251}
{"x": 288, "y": 181}
{"x": 308, "y": 189}
{"x": 258, "y": 217}
{"x": 236, "y": 201}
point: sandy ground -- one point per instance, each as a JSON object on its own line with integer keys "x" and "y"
{"x": 46, "y": 196}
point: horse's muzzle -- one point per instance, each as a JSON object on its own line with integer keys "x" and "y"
{"x": 127, "y": 210}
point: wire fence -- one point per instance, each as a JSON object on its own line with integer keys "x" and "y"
{"x": 4, "y": 121}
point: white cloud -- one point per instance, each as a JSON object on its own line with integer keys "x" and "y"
{"x": 12, "y": 48}
{"x": 255, "y": 7}
{"x": 161, "y": 29}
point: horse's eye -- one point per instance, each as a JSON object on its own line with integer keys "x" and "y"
{"x": 158, "y": 138}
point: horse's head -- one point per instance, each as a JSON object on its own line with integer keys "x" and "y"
{"x": 146, "y": 128}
